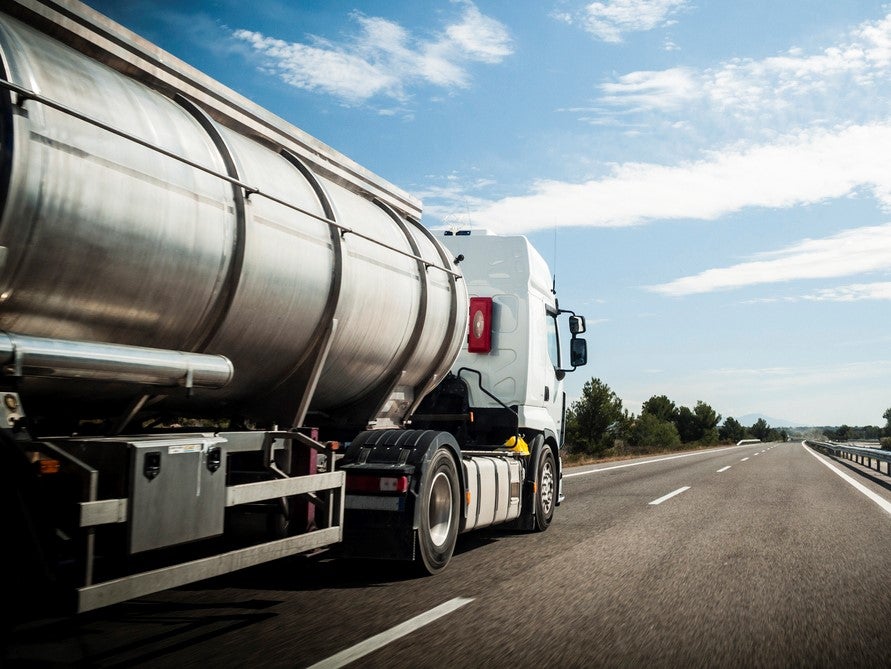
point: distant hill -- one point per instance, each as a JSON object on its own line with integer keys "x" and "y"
{"x": 751, "y": 418}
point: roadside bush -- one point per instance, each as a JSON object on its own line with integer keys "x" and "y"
{"x": 649, "y": 432}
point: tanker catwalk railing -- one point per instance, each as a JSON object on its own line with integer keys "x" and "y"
{"x": 868, "y": 457}
{"x": 24, "y": 94}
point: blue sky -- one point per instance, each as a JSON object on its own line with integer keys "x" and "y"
{"x": 710, "y": 181}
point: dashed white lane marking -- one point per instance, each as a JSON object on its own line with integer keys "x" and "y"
{"x": 723, "y": 469}
{"x": 669, "y": 495}
{"x": 646, "y": 462}
{"x": 744, "y": 459}
{"x": 344, "y": 657}
{"x": 881, "y": 501}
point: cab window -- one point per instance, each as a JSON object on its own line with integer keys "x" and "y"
{"x": 553, "y": 340}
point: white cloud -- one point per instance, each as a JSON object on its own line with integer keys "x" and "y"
{"x": 383, "y": 59}
{"x": 482, "y": 38}
{"x": 802, "y": 169}
{"x": 833, "y": 91}
{"x": 880, "y": 290}
{"x": 342, "y": 74}
{"x": 452, "y": 203}
{"x": 664, "y": 89}
{"x": 612, "y": 19}
{"x": 876, "y": 38}
{"x": 855, "y": 292}
{"x": 743, "y": 86}
{"x": 855, "y": 251}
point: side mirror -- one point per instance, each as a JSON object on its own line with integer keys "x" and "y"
{"x": 576, "y": 325}
{"x": 578, "y": 351}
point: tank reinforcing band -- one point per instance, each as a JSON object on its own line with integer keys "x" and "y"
{"x": 23, "y": 95}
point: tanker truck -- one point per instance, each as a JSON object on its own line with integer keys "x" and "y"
{"x": 224, "y": 342}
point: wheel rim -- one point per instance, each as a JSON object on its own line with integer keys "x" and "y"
{"x": 439, "y": 510}
{"x": 546, "y": 486}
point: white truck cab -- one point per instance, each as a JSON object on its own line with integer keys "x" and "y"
{"x": 513, "y": 354}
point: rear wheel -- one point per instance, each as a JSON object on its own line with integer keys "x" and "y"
{"x": 545, "y": 490}
{"x": 438, "y": 531}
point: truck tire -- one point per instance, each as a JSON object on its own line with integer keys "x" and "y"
{"x": 545, "y": 490}
{"x": 440, "y": 513}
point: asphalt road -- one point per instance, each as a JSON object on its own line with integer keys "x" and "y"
{"x": 763, "y": 557}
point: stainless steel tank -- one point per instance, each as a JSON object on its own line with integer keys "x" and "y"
{"x": 324, "y": 296}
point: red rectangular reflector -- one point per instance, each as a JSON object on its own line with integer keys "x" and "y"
{"x": 479, "y": 337}
{"x": 364, "y": 483}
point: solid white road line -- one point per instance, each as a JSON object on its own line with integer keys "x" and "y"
{"x": 881, "y": 501}
{"x": 344, "y": 657}
{"x": 723, "y": 469}
{"x": 646, "y": 462}
{"x": 669, "y": 495}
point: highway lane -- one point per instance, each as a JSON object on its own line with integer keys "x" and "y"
{"x": 765, "y": 558}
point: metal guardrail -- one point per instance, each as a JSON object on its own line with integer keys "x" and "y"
{"x": 868, "y": 457}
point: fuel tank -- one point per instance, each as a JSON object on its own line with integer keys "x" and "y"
{"x": 150, "y": 206}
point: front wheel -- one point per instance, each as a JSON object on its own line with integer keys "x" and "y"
{"x": 545, "y": 490}
{"x": 440, "y": 511}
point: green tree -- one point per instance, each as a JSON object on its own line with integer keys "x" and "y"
{"x": 595, "y": 420}
{"x": 687, "y": 425}
{"x": 887, "y": 417}
{"x": 661, "y": 407}
{"x": 732, "y": 430}
{"x": 649, "y": 431}
{"x": 775, "y": 434}
{"x": 760, "y": 430}
{"x": 707, "y": 421}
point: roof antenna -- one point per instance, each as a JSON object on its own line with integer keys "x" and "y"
{"x": 554, "y": 279}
